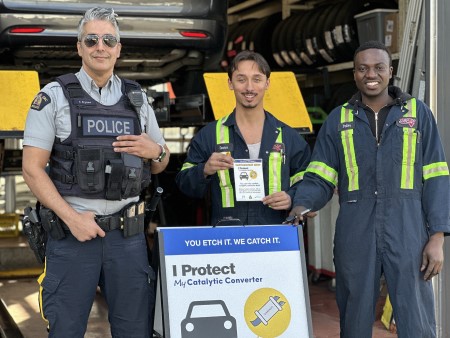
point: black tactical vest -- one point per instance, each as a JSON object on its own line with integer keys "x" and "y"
{"x": 85, "y": 164}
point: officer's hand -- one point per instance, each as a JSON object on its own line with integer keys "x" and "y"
{"x": 298, "y": 212}
{"x": 217, "y": 161}
{"x": 433, "y": 256}
{"x": 84, "y": 228}
{"x": 139, "y": 145}
{"x": 278, "y": 201}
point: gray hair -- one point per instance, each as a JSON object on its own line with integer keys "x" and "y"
{"x": 99, "y": 13}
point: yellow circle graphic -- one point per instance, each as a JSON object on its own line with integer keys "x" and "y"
{"x": 253, "y": 174}
{"x": 267, "y": 313}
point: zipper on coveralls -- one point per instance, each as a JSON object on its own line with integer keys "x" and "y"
{"x": 376, "y": 128}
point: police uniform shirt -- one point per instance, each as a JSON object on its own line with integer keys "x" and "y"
{"x": 49, "y": 117}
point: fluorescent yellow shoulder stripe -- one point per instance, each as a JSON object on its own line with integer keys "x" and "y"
{"x": 187, "y": 165}
{"x": 435, "y": 170}
{"x": 349, "y": 150}
{"x": 324, "y": 171}
{"x": 297, "y": 177}
{"x": 227, "y": 191}
{"x": 409, "y": 149}
{"x": 275, "y": 160}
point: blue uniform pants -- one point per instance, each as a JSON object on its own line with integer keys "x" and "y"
{"x": 73, "y": 271}
{"x": 370, "y": 242}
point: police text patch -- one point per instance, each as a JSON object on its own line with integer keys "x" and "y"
{"x": 107, "y": 126}
{"x": 40, "y": 101}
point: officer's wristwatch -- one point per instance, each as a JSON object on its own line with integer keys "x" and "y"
{"x": 161, "y": 156}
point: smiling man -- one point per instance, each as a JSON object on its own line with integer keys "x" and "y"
{"x": 383, "y": 153}
{"x": 248, "y": 133}
{"x": 101, "y": 139}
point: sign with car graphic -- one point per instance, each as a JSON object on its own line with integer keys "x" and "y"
{"x": 232, "y": 281}
{"x": 249, "y": 181}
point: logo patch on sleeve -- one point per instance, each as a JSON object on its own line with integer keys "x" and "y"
{"x": 40, "y": 101}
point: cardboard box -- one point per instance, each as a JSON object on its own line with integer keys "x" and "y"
{"x": 391, "y": 32}
{"x": 379, "y": 24}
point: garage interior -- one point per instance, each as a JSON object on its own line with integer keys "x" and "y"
{"x": 313, "y": 39}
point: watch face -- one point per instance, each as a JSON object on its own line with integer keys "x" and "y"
{"x": 162, "y": 155}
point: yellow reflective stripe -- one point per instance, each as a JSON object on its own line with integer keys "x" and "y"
{"x": 408, "y": 158}
{"x": 324, "y": 171}
{"x": 297, "y": 177}
{"x": 226, "y": 189}
{"x": 409, "y": 149}
{"x": 41, "y": 289}
{"x": 275, "y": 160}
{"x": 187, "y": 165}
{"x": 435, "y": 170}
{"x": 227, "y": 192}
{"x": 349, "y": 151}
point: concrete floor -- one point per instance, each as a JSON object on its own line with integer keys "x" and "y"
{"x": 21, "y": 298}
{"x": 19, "y": 291}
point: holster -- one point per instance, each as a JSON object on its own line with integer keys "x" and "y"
{"x": 51, "y": 223}
{"x": 36, "y": 235}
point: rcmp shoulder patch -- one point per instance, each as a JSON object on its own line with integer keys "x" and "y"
{"x": 40, "y": 101}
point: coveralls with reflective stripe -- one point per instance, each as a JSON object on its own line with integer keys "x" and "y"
{"x": 192, "y": 182}
{"x": 392, "y": 196}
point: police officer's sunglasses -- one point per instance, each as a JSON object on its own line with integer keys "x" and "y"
{"x": 92, "y": 40}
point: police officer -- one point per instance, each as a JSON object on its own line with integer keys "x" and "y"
{"x": 102, "y": 140}
{"x": 249, "y": 132}
{"x": 383, "y": 152}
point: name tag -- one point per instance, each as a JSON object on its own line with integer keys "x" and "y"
{"x": 346, "y": 126}
{"x": 224, "y": 148}
{"x": 84, "y": 102}
{"x": 107, "y": 126}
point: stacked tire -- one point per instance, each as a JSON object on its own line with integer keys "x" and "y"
{"x": 324, "y": 35}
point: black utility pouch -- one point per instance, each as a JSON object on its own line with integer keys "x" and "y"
{"x": 51, "y": 224}
{"x": 90, "y": 170}
{"x": 133, "y": 220}
{"x": 131, "y": 184}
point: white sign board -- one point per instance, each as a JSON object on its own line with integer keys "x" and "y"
{"x": 233, "y": 281}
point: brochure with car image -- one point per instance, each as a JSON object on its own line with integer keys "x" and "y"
{"x": 248, "y": 180}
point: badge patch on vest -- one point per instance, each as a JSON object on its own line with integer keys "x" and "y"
{"x": 278, "y": 148}
{"x": 346, "y": 126}
{"x": 107, "y": 126}
{"x": 407, "y": 122}
{"x": 40, "y": 101}
{"x": 224, "y": 148}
